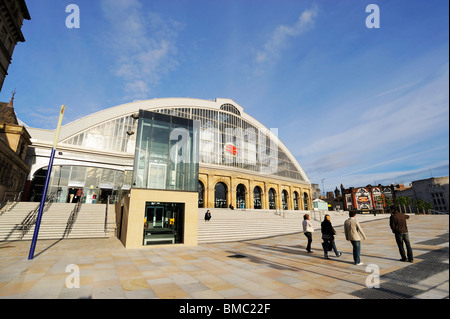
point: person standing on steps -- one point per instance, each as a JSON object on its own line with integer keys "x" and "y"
{"x": 328, "y": 233}
{"x": 353, "y": 233}
{"x": 308, "y": 229}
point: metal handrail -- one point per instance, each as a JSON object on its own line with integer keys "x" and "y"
{"x": 12, "y": 203}
{"x": 106, "y": 213}
{"x": 30, "y": 220}
{"x": 73, "y": 217}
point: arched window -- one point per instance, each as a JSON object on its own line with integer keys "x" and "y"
{"x": 257, "y": 203}
{"x": 284, "y": 199}
{"x": 272, "y": 195}
{"x": 240, "y": 196}
{"x": 37, "y": 184}
{"x": 305, "y": 201}
{"x": 220, "y": 195}
{"x": 201, "y": 194}
{"x": 230, "y": 108}
{"x": 295, "y": 199}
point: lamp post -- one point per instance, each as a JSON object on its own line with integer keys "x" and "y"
{"x": 323, "y": 188}
{"x": 44, "y": 194}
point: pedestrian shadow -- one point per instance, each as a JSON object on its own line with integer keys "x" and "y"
{"x": 47, "y": 248}
{"x": 345, "y": 258}
{"x": 282, "y": 262}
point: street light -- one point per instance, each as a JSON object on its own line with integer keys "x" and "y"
{"x": 323, "y": 188}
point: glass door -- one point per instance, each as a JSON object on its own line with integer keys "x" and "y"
{"x": 157, "y": 217}
{"x": 163, "y": 223}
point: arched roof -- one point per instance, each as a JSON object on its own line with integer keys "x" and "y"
{"x": 94, "y": 119}
{"x": 97, "y": 118}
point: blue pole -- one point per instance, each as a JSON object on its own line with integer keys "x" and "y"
{"x": 47, "y": 180}
{"x": 41, "y": 207}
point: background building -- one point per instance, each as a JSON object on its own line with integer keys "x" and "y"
{"x": 14, "y": 142}
{"x": 368, "y": 199}
{"x": 434, "y": 190}
{"x": 12, "y": 14}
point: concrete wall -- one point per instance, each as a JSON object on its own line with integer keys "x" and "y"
{"x": 131, "y": 232}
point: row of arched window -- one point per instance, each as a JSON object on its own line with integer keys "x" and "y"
{"x": 221, "y": 201}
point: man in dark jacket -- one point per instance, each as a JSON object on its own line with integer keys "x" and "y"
{"x": 398, "y": 225}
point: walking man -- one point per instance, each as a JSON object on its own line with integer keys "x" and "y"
{"x": 308, "y": 229}
{"x": 398, "y": 225}
{"x": 353, "y": 233}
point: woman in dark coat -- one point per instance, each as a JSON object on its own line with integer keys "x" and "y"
{"x": 207, "y": 216}
{"x": 328, "y": 233}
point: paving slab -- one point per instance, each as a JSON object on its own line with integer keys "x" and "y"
{"x": 270, "y": 268}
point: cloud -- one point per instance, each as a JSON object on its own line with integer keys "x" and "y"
{"x": 280, "y": 37}
{"x": 410, "y": 118}
{"x": 143, "y": 45}
{"x": 404, "y": 126}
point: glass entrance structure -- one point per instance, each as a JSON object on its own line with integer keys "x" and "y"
{"x": 166, "y": 152}
{"x": 166, "y": 158}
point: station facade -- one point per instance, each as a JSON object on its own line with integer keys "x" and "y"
{"x": 115, "y": 155}
{"x": 242, "y": 163}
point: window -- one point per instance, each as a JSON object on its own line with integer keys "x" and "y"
{"x": 230, "y": 108}
{"x": 220, "y": 195}
{"x": 166, "y": 152}
{"x": 240, "y": 196}
{"x": 272, "y": 195}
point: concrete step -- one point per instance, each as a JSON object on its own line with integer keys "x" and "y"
{"x": 89, "y": 223}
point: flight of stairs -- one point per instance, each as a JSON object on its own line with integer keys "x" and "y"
{"x": 226, "y": 225}
{"x": 233, "y": 225}
{"x": 18, "y": 223}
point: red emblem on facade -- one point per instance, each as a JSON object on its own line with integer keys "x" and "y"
{"x": 230, "y": 148}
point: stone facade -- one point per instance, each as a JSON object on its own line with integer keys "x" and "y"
{"x": 12, "y": 14}
{"x": 14, "y": 142}
{"x": 232, "y": 178}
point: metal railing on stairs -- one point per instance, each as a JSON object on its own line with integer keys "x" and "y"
{"x": 73, "y": 217}
{"x": 12, "y": 203}
{"x": 280, "y": 212}
{"x": 30, "y": 220}
{"x": 106, "y": 214}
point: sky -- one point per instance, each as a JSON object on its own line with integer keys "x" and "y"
{"x": 355, "y": 104}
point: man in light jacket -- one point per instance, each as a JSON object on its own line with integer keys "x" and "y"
{"x": 353, "y": 233}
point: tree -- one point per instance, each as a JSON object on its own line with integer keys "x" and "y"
{"x": 420, "y": 204}
{"x": 403, "y": 200}
{"x": 388, "y": 201}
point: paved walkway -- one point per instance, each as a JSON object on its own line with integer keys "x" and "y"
{"x": 271, "y": 268}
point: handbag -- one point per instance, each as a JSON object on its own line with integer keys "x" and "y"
{"x": 326, "y": 246}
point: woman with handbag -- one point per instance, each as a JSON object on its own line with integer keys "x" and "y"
{"x": 328, "y": 233}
